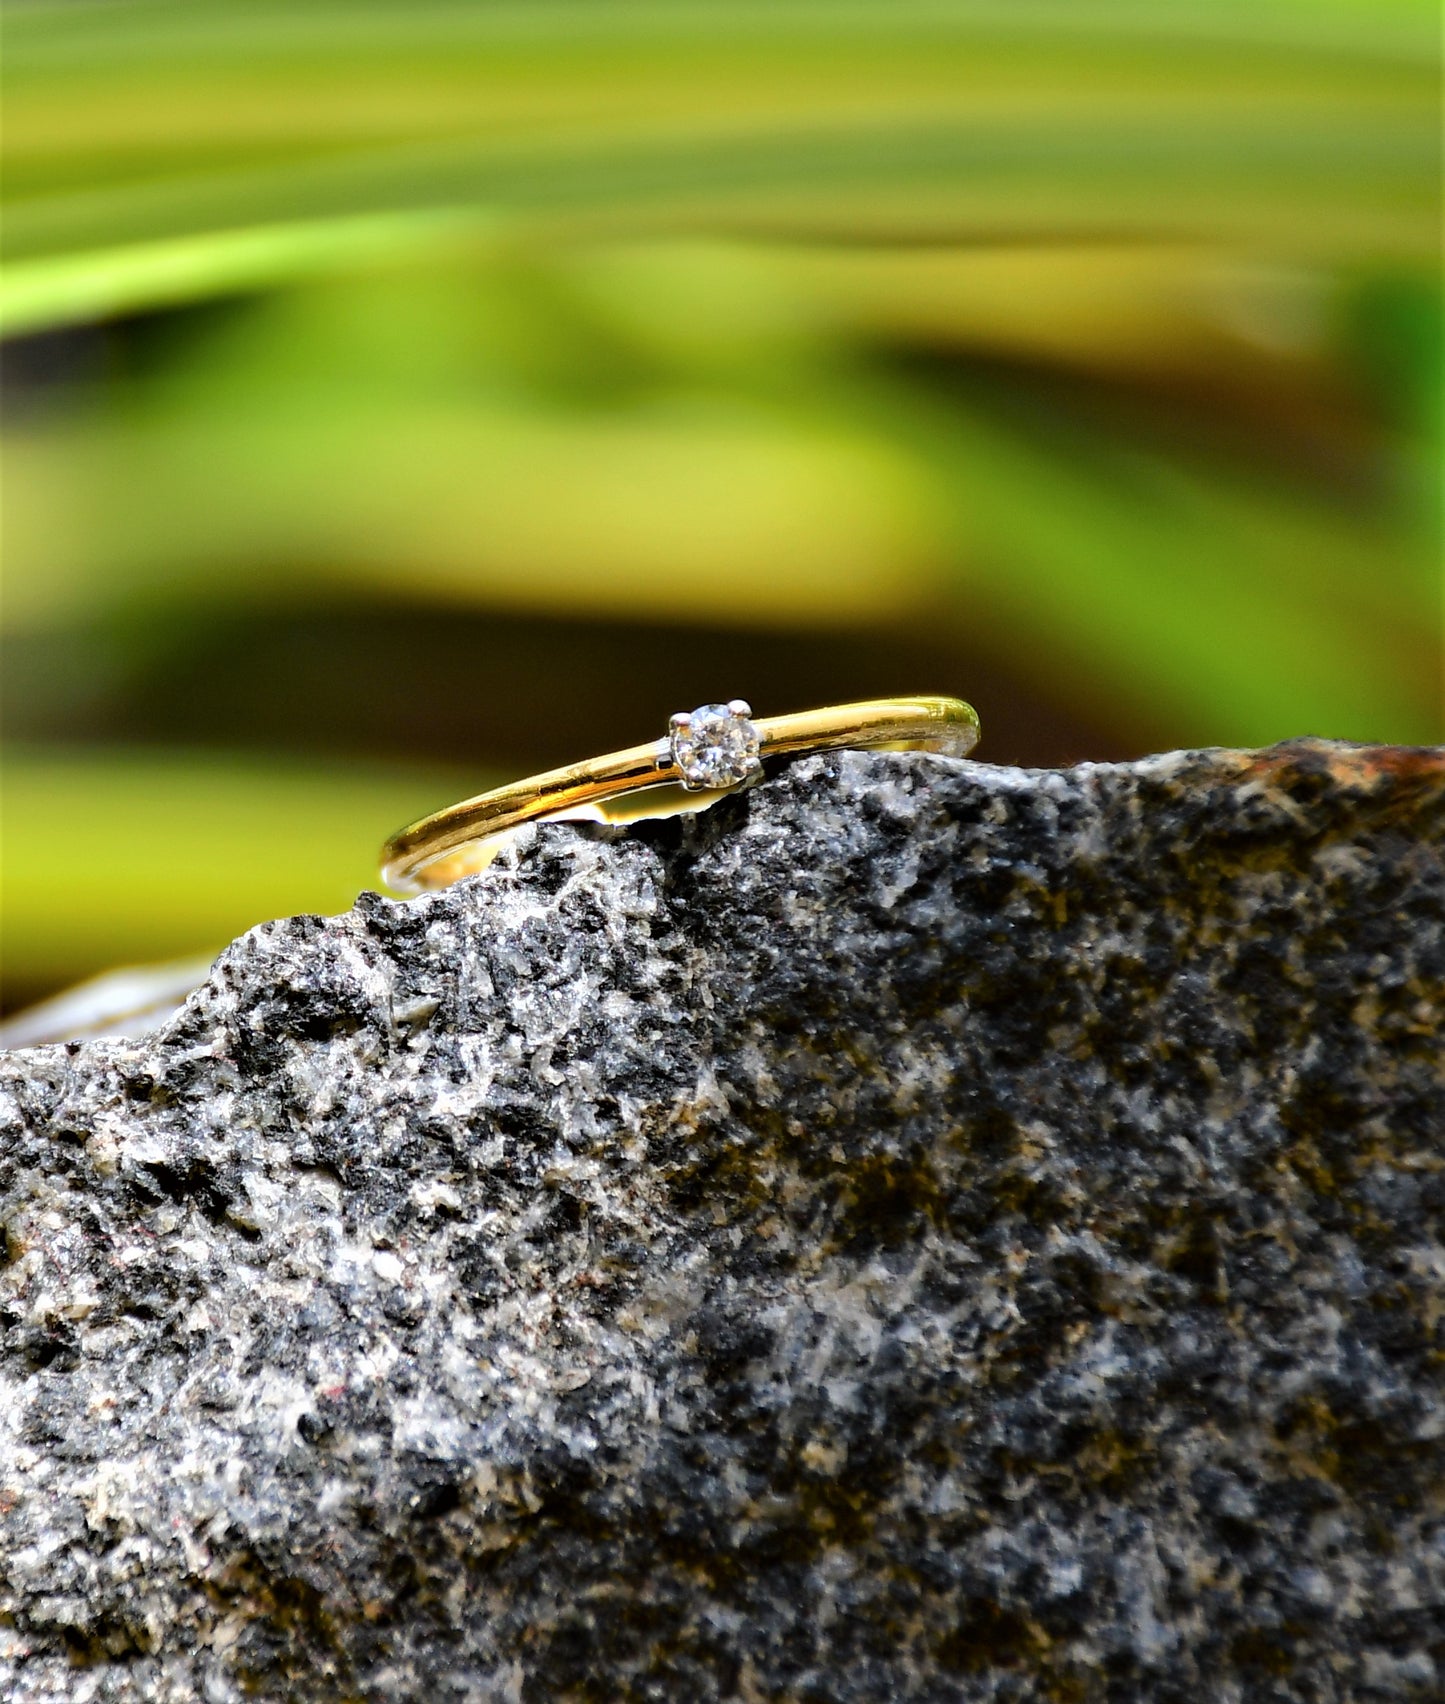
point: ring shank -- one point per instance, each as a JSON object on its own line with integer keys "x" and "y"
{"x": 460, "y": 840}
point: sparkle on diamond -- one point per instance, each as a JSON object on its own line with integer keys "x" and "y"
{"x": 715, "y": 748}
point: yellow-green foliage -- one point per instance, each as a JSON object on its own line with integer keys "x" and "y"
{"x": 1103, "y": 335}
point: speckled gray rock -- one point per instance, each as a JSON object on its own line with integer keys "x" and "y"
{"x": 921, "y": 1231}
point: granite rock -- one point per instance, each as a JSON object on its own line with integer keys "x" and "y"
{"x": 917, "y": 1231}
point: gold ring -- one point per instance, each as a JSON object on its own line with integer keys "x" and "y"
{"x": 712, "y": 750}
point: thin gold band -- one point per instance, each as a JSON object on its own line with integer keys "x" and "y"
{"x": 443, "y": 847}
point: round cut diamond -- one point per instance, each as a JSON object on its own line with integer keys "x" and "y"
{"x": 716, "y": 746}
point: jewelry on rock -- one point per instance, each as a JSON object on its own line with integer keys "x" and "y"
{"x": 715, "y": 749}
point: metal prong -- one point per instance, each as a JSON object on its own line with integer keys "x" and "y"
{"x": 679, "y": 721}
{"x": 739, "y": 707}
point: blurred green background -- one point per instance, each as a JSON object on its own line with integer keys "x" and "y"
{"x": 402, "y": 397}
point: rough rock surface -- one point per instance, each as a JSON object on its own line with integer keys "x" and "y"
{"x": 920, "y": 1231}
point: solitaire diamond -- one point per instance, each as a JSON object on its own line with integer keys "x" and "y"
{"x": 716, "y": 746}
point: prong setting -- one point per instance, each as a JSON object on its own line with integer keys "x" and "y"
{"x": 715, "y": 746}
